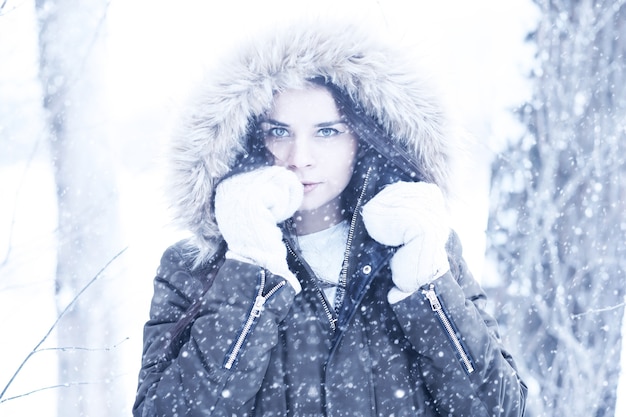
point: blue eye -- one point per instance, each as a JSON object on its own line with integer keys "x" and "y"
{"x": 327, "y": 132}
{"x": 278, "y": 132}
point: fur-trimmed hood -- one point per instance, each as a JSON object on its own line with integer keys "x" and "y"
{"x": 214, "y": 128}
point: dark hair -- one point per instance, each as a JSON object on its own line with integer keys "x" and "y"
{"x": 376, "y": 148}
{"x": 370, "y": 133}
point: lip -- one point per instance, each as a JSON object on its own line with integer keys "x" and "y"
{"x": 309, "y": 186}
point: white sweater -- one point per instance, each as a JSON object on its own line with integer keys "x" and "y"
{"x": 324, "y": 252}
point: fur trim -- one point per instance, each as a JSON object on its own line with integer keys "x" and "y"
{"x": 213, "y": 129}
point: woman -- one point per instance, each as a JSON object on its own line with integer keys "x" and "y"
{"x": 322, "y": 277}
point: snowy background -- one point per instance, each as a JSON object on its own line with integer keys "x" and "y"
{"x": 155, "y": 52}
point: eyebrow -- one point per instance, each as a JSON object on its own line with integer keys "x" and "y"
{"x": 274, "y": 122}
{"x": 326, "y": 124}
{"x": 322, "y": 124}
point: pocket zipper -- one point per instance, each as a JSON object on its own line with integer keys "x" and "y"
{"x": 437, "y": 307}
{"x": 255, "y": 312}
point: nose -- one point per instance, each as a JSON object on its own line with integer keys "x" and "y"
{"x": 300, "y": 154}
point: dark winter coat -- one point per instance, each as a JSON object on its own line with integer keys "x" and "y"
{"x": 254, "y": 347}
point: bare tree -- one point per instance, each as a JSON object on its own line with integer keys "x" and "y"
{"x": 71, "y": 72}
{"x": 557, "y": 230}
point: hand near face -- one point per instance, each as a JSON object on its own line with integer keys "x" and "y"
{"x": 248, "y": 207}
{"x": 411, "y": 215}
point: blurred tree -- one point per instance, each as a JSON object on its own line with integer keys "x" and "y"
{"x": 557, "y": 230}
{"x": 72, "y": 74}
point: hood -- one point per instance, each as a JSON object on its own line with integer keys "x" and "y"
{"x": 214, "y": 127}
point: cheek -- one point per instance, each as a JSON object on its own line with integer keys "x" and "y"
{"x": 278, "y": 152}
{"x": 348, "y": 155}
{"x": 344, "y": 161}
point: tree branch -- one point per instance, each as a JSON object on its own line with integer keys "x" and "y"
{"x": 54, "y": 325}
{"x": 597, "y": 310}
{"x": 70, "y": 384}
{"x": 31, "y": 157}
{"x": 76, "y": 348}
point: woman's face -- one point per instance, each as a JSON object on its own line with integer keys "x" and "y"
{"x": 306, "y": 134}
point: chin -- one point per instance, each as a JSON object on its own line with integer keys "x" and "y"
{"x": 307, "y": 207}
{"x": 310, "y": 206}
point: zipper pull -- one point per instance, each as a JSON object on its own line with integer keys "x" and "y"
{"x": 258, "y": 306}
{"x": 432, "y": 297}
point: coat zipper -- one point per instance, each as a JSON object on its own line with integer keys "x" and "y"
{"x": 327, "y": 310}
{"x": 437, "y": 307}
{"x": 255, "y": 312}
{"x": 343, "y": 277}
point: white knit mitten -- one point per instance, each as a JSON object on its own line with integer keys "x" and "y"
{"x": 411, "y": 215}
{"x": 248, "y": 207}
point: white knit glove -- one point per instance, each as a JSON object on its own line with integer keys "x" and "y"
{"x": 247, "y": 208}
{"x": 411, "y": 215}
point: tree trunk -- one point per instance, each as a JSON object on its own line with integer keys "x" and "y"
{"x": 557, "y": 231}
{"x": 72, "y": 75}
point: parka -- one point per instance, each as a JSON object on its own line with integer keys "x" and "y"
{"x": 228, "y": 338}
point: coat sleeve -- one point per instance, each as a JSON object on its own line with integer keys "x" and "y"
{"x": 221, "y": 366}
{"x": 466, "y": 369}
